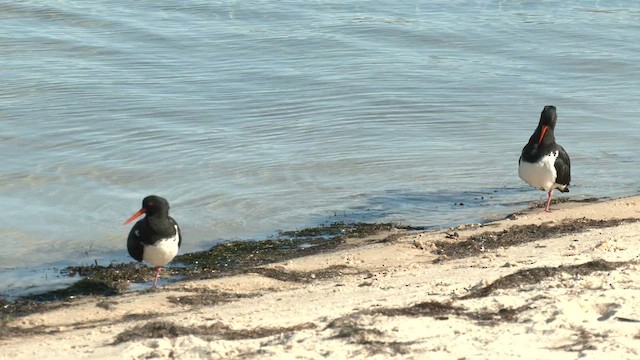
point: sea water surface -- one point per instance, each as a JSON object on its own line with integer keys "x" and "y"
{"x": 255, "y": 116}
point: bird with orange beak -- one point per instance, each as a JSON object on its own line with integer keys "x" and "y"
{"x": 544, "y": 164}
{"x": 155, "y": 238}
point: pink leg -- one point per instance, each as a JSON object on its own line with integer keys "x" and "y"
{"x": 549, "y": 201}
{"x": 158, "y": 268}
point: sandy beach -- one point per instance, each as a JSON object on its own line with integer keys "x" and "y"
{"x": 559, "y": 285}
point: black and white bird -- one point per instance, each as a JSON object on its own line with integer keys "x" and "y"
{"x": 156, "y": 238}
{"x": 543, "y": 163}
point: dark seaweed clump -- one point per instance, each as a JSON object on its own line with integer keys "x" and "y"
{"x": 539, "y": 274}
{"x": 163, "y": 329}
{"x": 519, "y": 234}
{"x": 232, "y": 256}
{"x": 221, "y": 260}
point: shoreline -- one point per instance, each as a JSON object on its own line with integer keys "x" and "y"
{"x": 59, "y": 280}
{"x": 558, "y": 285}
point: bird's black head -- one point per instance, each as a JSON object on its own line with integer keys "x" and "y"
{"x": 151, "y": 205}
{"x": 547, "y": 124}
{"x": 155, "y": 204}
{"x": 548, "y": 117}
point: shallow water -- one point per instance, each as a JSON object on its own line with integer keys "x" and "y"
{"x": 252, "y": 118}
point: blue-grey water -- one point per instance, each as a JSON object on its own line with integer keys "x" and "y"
{"x": 255, "y": 116}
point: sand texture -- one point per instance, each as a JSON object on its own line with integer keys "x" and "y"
{"x": 560, "y": 285}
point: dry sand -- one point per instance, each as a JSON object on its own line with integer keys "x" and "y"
{"x": 566, "y": 296}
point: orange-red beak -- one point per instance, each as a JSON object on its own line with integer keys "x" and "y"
{"x": 135, "y": 216}
{"x": 544, "y": 130}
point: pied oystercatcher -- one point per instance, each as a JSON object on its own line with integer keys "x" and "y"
{"x": 543, "y": 163}
{"x": 156, "y": 238}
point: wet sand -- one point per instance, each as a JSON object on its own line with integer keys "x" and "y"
{"x": 532, "y": 286}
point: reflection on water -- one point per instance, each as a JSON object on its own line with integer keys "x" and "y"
{"x": 18, "y": 282}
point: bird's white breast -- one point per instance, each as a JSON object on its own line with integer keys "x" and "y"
{"x": 541, "y": 174}
{"x": 161, "y": 253}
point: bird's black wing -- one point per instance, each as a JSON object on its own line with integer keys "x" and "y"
{"x": 563, "y": 168}
{"x": 174, "y": 223}
{"x": 135, "y": 245}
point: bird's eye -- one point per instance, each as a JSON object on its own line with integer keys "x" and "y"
{"x": 150, "y": 203}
